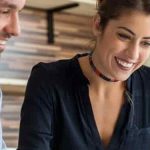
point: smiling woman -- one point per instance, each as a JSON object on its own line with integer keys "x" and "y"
{"x": 129, "y": 45}
{"x": 98, "y": 100}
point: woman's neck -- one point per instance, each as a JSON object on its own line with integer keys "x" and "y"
{"x": 98, "y": 84}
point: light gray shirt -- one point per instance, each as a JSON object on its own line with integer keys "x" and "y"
{"x": 2, "y": 143}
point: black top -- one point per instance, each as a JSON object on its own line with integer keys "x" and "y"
{"x": 57, "y": 113}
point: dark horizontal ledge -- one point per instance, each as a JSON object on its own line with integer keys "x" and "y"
{"x": 54, "y": 9}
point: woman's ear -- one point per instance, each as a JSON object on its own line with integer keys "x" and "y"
{"x": 96, "y": 25}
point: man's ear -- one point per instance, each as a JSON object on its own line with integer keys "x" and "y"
{"x": 96, "y": 28}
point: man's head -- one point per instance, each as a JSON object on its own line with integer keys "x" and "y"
{"x": 9, "y": 20}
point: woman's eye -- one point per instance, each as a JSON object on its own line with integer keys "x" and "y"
{"x": 146, "y": 44}
{"x": 123, "y": 36}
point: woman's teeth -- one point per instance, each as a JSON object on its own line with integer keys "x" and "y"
{"x": 124, "y": 63}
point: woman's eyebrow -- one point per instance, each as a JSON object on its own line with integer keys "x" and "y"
{"x": 146, "y": 37}
{"x": 128, "y": 30}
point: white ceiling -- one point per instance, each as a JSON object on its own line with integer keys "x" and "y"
{"x": 84, "y": 8}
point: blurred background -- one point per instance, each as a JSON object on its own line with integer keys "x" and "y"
{"x": 51, "y": 30}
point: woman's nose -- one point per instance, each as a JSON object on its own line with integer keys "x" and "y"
{"x": 133, "y": 50}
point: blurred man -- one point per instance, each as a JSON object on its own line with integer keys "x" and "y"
{"x": 9, "y": 27}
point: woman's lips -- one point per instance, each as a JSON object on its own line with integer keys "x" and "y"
{"x": 123, "y": 64}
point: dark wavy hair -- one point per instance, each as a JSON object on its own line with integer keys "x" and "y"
{"x": 113, "y": 9}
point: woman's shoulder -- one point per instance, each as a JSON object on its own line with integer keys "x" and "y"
{"x": 145, "y": 69}
{"x": 61, "y": 71}
{"x": 53, "y": 67}
{"x": 140, "y": 78}
{"x": 54, "y": 71}
{"x": 64, "y": 72}
{"x": 143, "y": 72}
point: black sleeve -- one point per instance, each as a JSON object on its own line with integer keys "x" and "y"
{"x": 36, "y": 126}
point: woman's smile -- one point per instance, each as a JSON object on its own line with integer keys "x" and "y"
{"x": 123, "y": 64}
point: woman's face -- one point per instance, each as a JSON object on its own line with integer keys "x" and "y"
{"x": 123, "y": 46}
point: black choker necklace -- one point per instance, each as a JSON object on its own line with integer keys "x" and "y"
{"x": 97, "y": 71}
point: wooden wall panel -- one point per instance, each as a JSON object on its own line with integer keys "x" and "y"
{"x": 11, "y": 117}
{"x": 72, "y": 35}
